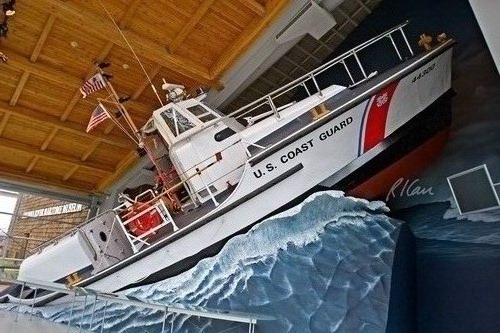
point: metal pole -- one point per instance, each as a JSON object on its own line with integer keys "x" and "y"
{"x": 33, "y": 304}
{"x": 83, "y": 313}
{"x": 305, "y": 87}
{"x": 316, "y": 84}
{"x": 395, "y": 47}
{"x": 347, "y": 70}
{"x": 359, "y": 63}
{"x": 164, "y": 320}
{"x": 71, "y": 311}
{"x": 406, "y": 40}
{"x": 172, "y": 325}
{"x": 20, "y": 298}
{"x": 273, "y": 107}
{"x": 104, "y": 316}
{"x": 92, "y": 315}
{"x": 93, "y": 207}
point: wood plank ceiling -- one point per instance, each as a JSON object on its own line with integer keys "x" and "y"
{"x": 52, "y": 46}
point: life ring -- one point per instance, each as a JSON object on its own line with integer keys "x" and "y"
{"x": 145, "y": 222}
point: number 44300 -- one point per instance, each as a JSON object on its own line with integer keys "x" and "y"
{"x": 423, "y": 72}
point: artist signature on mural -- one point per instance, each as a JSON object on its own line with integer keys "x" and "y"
{"x": 404, "y": 187}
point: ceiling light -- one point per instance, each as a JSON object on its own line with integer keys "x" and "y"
{"x": 8, "y": 8}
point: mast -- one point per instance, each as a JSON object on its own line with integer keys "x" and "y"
{"x": 115, "y": 100}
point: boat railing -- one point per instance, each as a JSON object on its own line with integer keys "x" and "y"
{"x": 69, "y": 231}
{"x": 128, "y": 213}
{"x": 270, "y": 99}
{"x": 85, "y": 301}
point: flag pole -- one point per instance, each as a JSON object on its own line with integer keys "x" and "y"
{"x": 121, "y": 107}
{"x": 116, "y": 121}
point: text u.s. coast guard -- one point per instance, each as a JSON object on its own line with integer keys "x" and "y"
{"x": 304, "y": 147}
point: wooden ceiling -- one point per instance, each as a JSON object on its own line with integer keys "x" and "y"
{"x": 52, "y": 47}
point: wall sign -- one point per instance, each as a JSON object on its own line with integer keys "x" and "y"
{"x": 68, "y": 208}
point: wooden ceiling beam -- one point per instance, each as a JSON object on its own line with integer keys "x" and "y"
{"x": 76, "y": 187}
{"x": 5, "y": 120}
{"x": 138, "y": 92}
{"x": 49, "y": 139}
{"x": 51, "y": 155}
{"x": 243, "y": 42}
{"x": 32, "y": 164}
{"x": 125, "y": 164}
{"x": 78, "y": 95}
{"x": 193, "y": 21}
{"x": 124, "y": 21}
{"x": 62, "y": 79}
{"x": 91, "y": 149}
{"x": 43, "y": 37}
{"x": 254, "y": 6}
{"x": 70, "y": 173}
{"x": 19, "y": 88}
{"x": 129, "y": 14}
{"x": 144, "y": 47}
{"x": 47, "y": 72}
{"x": 52, "y": 121}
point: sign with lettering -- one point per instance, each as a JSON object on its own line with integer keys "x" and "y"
{"x": 68, "y": 208}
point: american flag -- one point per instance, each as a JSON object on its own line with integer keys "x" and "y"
{"x": 99, "y": 115}
{"x": 95, "y": 83}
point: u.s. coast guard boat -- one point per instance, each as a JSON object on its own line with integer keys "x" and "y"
{"x": 219, "y": 175}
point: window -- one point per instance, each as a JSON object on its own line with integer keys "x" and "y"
{"x": 170, "y": 116}
{"x": 201, "y": 113}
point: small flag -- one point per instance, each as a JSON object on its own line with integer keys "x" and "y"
{"x": 99, "y": 115}
{"x": 95, "y": 83}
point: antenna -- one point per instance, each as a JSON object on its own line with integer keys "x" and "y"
{"x": 133, "y": 52}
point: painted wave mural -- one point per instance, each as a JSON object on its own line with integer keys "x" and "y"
{"x": 323, "y": 266}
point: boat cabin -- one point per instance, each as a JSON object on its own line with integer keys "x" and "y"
{"x": 203, "y": 147}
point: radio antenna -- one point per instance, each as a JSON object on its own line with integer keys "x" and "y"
{"x": 133, "y": 52}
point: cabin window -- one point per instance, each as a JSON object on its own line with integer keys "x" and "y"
{"x": 197, "y": 110}
{"x": 224, "y": 134}
{"x": 201, "y": 113}
{"x": 177, "y": 123}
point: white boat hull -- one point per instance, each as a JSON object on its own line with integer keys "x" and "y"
{"x": 321, "y": 153}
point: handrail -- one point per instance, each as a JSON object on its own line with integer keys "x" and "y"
{"x": 172, "y": 308}
{"x": 322, "y": 68}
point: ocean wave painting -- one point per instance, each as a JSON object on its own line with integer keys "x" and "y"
{"x": 323, "y": 266}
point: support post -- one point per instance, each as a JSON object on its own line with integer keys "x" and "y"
{"x": 71, "y": 311}
{"x": 359, "y": 63}
{"x": 316, "y": 84}
{"x": 172, "y": 323}
{"x": 395, "y": 47}
{"x": 83, "y": 313}
{"x": 273, "y": 107}
{"x": 305, "y": 87}
{"x": 92, "y": 315}
{"x": 164, "y": 320}
{"x": 20, "y": 298}
{"x": 33, "y": 303}
{"x": 347, "y": 70}
{"x": 104, "y": 316}
{"x": 406, "y": 40}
